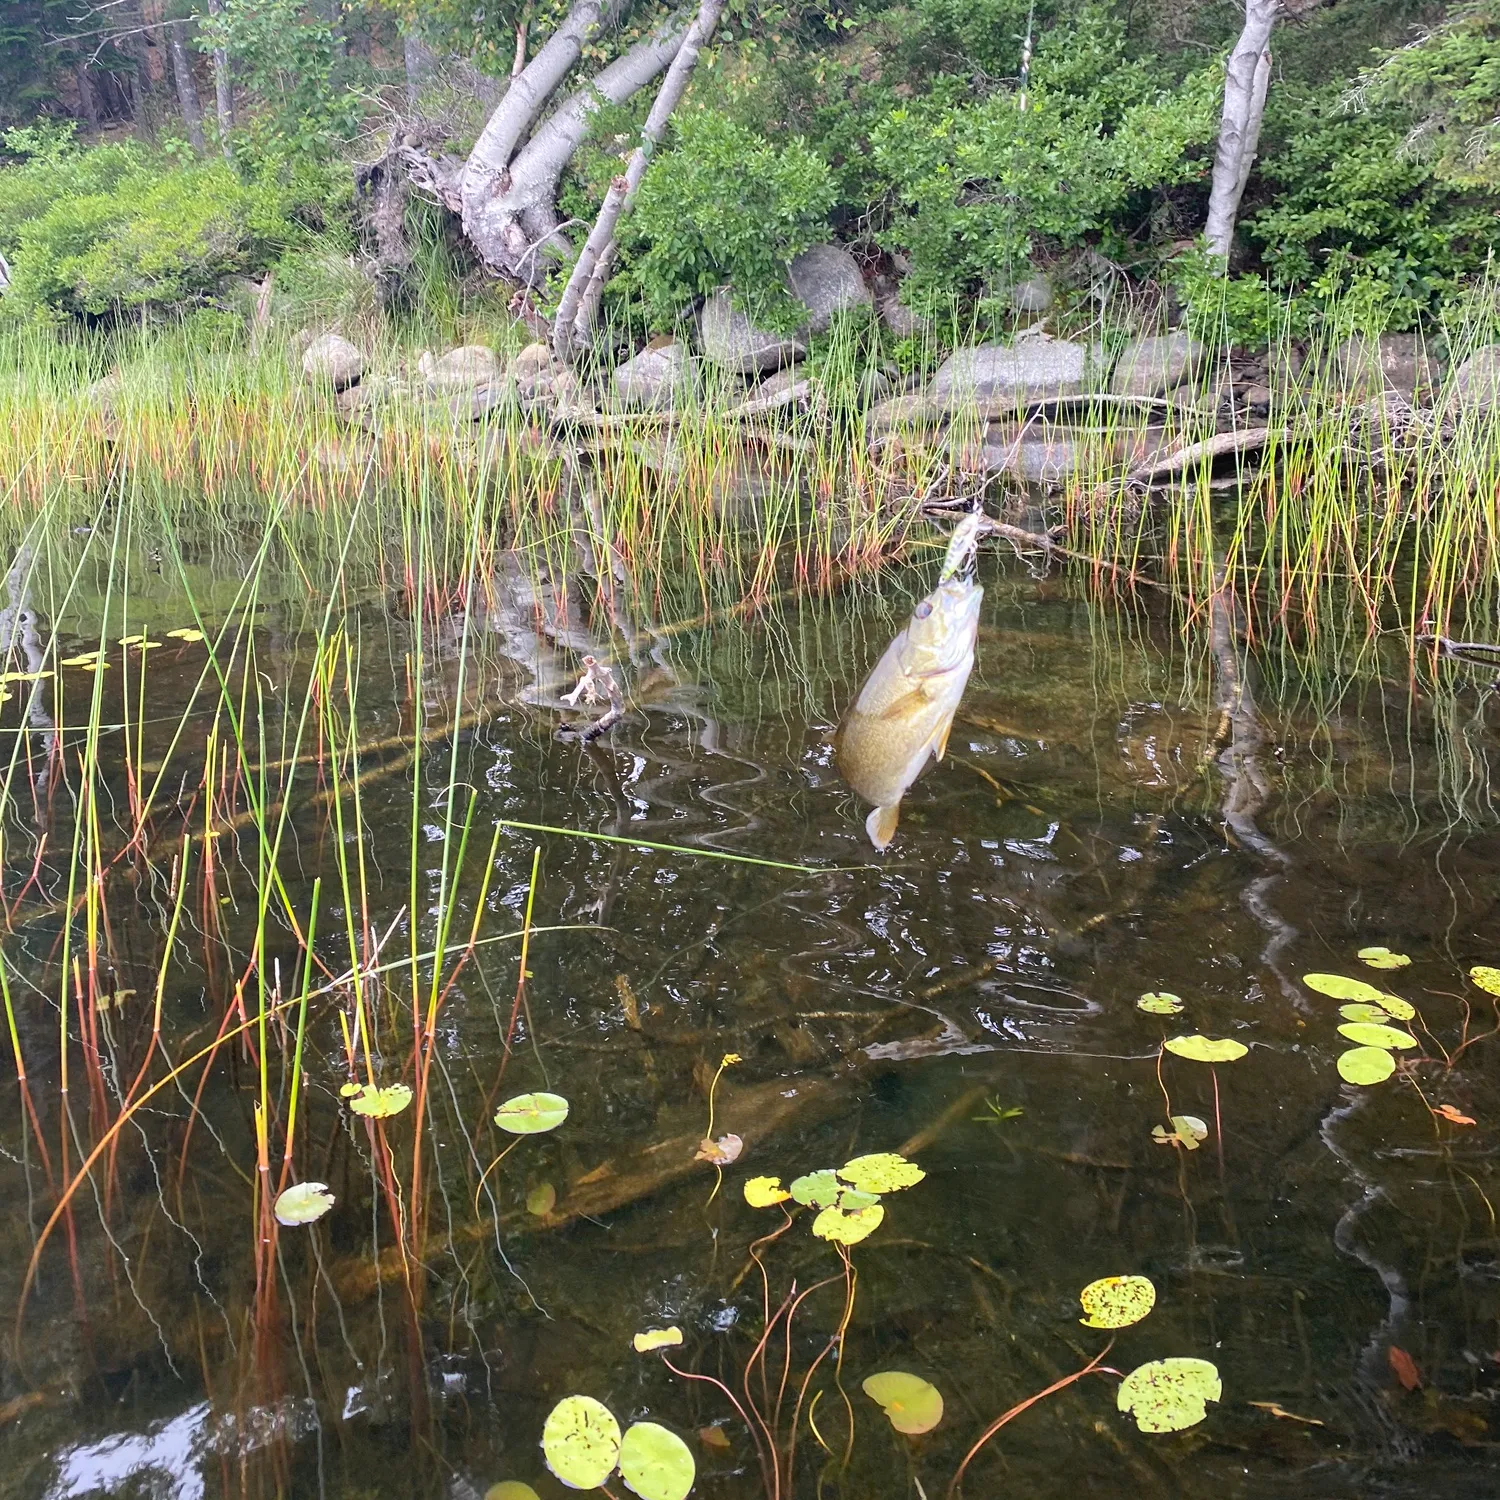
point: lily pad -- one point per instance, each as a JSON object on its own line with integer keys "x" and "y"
{"x": 581, "y": 1442}
{"x": 1206, "y": 1049}
{"x": 187, "y": 633}
{"x": 1486, "y": 977}
{"x": 913, "y": 1405}
{"x": 1168, "y": 1395}
{"x": 1116, "y": 1301}
{"x": 507, "y": 1489}
{"x": 655, "y": 1463}
{"x": 848, "y": 1228}
{"x": 720, "y": 1153}
{"x": 1366, "y": 1034}
{"x": 817, "y": 1189}
{"x": 304, "y": 1204}
{"x": 1403, "y": 1010}
{"x": 541, "y": 1200}
{"x": 1374, "y": 1013}
{"x": 882, "y": 1172}
{"x": 851, "y": 1200}
{"x": 764, "y": 1192}
{"x": 1337, "y": 987}
{"x": 652, "y": 1339}
{"x": 381, "y": 1104}
{"x": 1187, "y": 1131}
{"x": 1366, "y": 1065}
{"x": 532, "y": 1114}
{"x": 1160, "y": 1003}
{"x": 1382, "y": 958}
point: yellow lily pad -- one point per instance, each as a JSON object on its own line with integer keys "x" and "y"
{"x": 656, "y": 1338}
{"x": 185, "y": 633}
{"x": 911, "y": 1404}
{"x": 1168, "y": 1395}
{"x": 765, "y": 1192}
{"x": 881, "y": 1172}
{"x": 843, "y": 1227}
{"x": 1382, "y": 958}
{"x": 581, "y": 1442}
{"x": 1206, "y": 1049}
{"x": 655, "y": 1463}
{"x": 1366, "y": 1065}
{"x": 1402, "y": 1010}
{"x": 1116, "y": 1301}
{"x": 1337, "y": 987}
{"x": 1367, "y": 1034}
{"x": 1487, "y": 977}
{"x": 1376, "y": 1013}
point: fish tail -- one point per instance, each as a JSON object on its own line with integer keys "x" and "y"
{"x": 881, "y": 824}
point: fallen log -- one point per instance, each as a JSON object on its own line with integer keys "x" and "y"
{"x": 1245, "y": 440}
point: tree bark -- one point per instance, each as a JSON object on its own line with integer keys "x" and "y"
{"x": 223, "y": 88}
{"x": 1245, "y": 82}
{"x": 579, "y": 306}
{"x": 187, "y": 90}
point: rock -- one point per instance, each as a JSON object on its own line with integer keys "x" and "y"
{"x": 1034, "y": 369}
{"x": 533, "y": 358}
{"x": 1154, "y": 366}
{"x": 654, "y": 378}
{"x": 826, "y": 279}
{"x": 1033, "y": 295}
{"x": 357, "y": 404}
{"x": 1476, "y": 382}
{"x": 786, "y": 388}
{"x": 1257, "y": 398}
{"x": 332, "y": 360}
{"x": 465, "y": 367}
{"x": 1396, "y": 362}
{"x": 730, "y": 340}
{"x": 899, "y": 318}
{"x": 909, "y": 411}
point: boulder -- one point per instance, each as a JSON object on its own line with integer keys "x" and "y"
{"x": 332, "y": 360}
{"x": 654, "y": 378}
{"x": 730, "y": 340}
{"x": 1032, "y": 295}
{"x": 826, "y": 279}
{"x": 1476, "y": 382}
{"x": 1034, "y": 369}
{"x": 899, "y": 318}
{"x": 786, "y": 388}
{"x": 1396, "y": 362}
{"x": 463, "y": 368}
{"x": 1154, "y": 366}
{"x": 910, "y": 411}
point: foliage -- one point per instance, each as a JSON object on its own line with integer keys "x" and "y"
{"x": 1168, "y": 1395}
{"x": 913, "y": 1405}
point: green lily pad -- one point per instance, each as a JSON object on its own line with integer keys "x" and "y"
{"x": 848, "y": 1228}
{"x": 1486, "y": 977}
{"x": 912, "y": 1404}
{"x": 541, "y": 1200}
{"x": 655, "y": 1463}
{"x": 1206, "y": 1049}
{"x": 1116, "y": 1301}
{"x": 1337, "y": 987}
{"x": 765, "y": 1192}
{"x": 851, "y": 1200}
{"x": 304, "y": 1204}
{"x": 1168, "y": 1395}
{"x": 1382, "y": 958}
{"x": 817, "y": 1189}
{"x": 1403, "y": 1010}
{"x": 532, "y": 1114}
{"x": 1187, "y": 1130}
{"x": 381, "y": 1104}
{"x": 509, "y": 1489}
{"x": 1366, "y": 1065}
{"x": 581, "y": 1442}
{"x": 1160, "y": 1003}
{"x": 1366, "y": 1034}
{"x": 881, "y": 1172}
{"x": 1374, "y": 1013}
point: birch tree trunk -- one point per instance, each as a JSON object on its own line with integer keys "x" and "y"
{"x": 1245, "y": 82}
{"x": 187, "y": 89}
{"x": 223, "y": 88}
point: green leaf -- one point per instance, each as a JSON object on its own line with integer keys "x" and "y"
{"x": 882, "y": 1172}
{"x": 1168, "y": 1395}
{"x": 581, "y": 1442}
{"x": 541, "y": 1200}
{"x": 1366, "y": 1034}
{"x": 655, "y": 1463}
{"x": 1383, "y": 958}
{"x": 1403, "y": 1010}
{"x": 1366, "y": 1065}
{"x": 1206, "y": 1049}
{"x": 764, "y": 1192}
{"x": 817, "y": 1189}
{"x": 1337, "y": 987}
{"x": 511, "y": 1489}
{"x": 1187, "y": 1130}
{"x": 304, "y": 1204}
{"x": 1486, "y": 977}
{"x": 912, "y": 1404}
{"x": 532, "y": 1114}
{"x": 1373, "y": 1013}
{"x": 381, "y": 1104}
{"x": 1160, "y": 1003}
{"x": 848, "y": 1228}
{"x": 851, "y": 1200}
{"x": 1116, "y": 1301}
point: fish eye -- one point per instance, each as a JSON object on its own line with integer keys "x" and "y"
{"x": 923, "y": 610}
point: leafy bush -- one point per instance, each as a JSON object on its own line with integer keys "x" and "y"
{"x": 724, "y": 206}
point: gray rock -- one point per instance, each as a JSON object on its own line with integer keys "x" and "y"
{"x": 787, "y": 387}
{"x": 463, "y": 368}
{"x": 1033, "y": 295}
{"x": 1476, "y": 382}
{"x": 899, "y": 318}
{"x": 1396, "y": 362}
{"x": 1153, "y": 366}
{"x": 730, "y": 340}
{"x": 1033, "y": 369}
{"x": 333, "y": 361}
{"x": 826, "y": 280}
{"x": 910, "y": 411}
{"x": 654, "y": 378}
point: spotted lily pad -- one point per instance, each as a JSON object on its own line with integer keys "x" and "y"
{"x": 1382, "y": 958}
{"x": 1373, "y": 1013}
{"x": 1168, "y": 1395}
{"x": 655, "y": 1463}
{"x": 581, "y": 1442}
{"x": 304, "y": 1204}
{"x": 912, "y": 1405}
{"x": 764, "y": 1192}
{"x": 381, "y": 1104}
{"x": 1116, "y": 1301}
{"x": 848, "y": 1228}
{"x": 1160, "y": 1003}
{"x": 882, "y": 1172}
{"x": 817, "y": 1189}
{"x": 1486, "y": 977}
{"x": 652, "y": 1339}
{"x": 532, "y": 1114}
{"x": 1367, "y": 1034}
{"x": 1402, "y": 1010}
{"x": 1206, "y": 1049}
{"x": 1366, "y": 1065}
{"x": 1337, "y": 987}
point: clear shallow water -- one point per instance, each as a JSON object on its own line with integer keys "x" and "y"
{"x": 969, "y": 996}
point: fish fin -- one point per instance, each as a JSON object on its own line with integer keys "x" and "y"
{"x": 881, "y": 825}
{"x": 940, "y": 739}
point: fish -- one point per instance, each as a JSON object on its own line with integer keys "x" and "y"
{"x": 904, "y": 712}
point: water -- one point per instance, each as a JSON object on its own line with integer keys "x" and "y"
{"x": 970, "y": 997}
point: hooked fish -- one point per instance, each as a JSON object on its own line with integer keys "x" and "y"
{"x": 905, "y": 709}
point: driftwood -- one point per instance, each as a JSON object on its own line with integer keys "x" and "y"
{"x": 1245, "y": 440}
